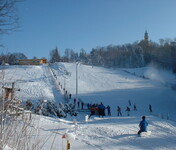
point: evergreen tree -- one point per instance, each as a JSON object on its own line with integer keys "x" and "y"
{"x": 54, "y": 55}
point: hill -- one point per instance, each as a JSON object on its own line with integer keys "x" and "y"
{"x": 116, "y": 86}
{"x": 95, "y": 84}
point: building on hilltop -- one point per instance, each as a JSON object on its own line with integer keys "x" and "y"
{"x": 146, "y": 37}
{"x": 32, "y": 61}
{"x": 145, "y": 41}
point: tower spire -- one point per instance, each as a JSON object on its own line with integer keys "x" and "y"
{"x": 146, "y": 38}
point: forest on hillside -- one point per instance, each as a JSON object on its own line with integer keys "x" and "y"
{"x": 137, "y": 54}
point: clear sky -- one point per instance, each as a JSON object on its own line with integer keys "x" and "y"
{"x": 87, "y": 24}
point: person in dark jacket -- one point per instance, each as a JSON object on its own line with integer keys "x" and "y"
{"x": 70, "y": 96}
{"x": 78, "y": 103}
{"x": 75, "y": 101}
{"x": 150, "y": 108}
{"x": 82, "y": 105}
{"x": 135, "y": 108}
{"x": 143, "y": 125}
{"x": 119, "y": 111}
{"x": 109, "y": 110}
{"x": 101, "y": 110}
{"x": 128, "y": 111}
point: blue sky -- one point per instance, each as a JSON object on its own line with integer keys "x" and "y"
{"x": 87, "y": 24}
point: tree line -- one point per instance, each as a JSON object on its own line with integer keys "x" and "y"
{"x": 137, "y": 54}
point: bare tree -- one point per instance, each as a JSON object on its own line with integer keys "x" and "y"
{"x": 8, "y": 16}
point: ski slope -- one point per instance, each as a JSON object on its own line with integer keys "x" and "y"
{"x": 96, "y": 84}
{"x": 115, "y": 87}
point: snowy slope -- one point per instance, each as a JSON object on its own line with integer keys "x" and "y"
{"x": 108, "y": 133}
{"x": 35, "y": 82}
{"x": 116, "y": 87}
{"x": 95, "y": 85}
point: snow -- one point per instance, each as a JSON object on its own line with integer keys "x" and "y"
{"x": 113, "y": 87}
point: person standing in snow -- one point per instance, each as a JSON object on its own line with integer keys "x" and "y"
{"x": 82, "y": 104}
{"x": 150, "y": 108}
{"x": 78, "y": 103}
{"x": 70, "y": 96}
{"x": 119, "y": 111}
{"x": 75, "y": 101}
{"x": 128, "y": 111}
{"x": 101, "y": 109}
{"x": 88, "y": 106}
{"x": 93, "y": 109}
{"x": 129, "y": 101}
{"x": 135, "y": 109}
{"x": 143, "y": 125}
{"x": 109, "y": 110}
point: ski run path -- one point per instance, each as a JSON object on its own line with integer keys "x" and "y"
{"x": 113, "y": 87}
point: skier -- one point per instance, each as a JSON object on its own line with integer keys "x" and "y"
{"x": 75, "y": 101}
{"x": 78, "y": 103}
{"x": 128, "y": 111}
{"x": 135, "y": 109}
{"x": 82, "y": 104}
{"x": 88, "y": 106}
{"x": 119, "y": 111}
{"x": 93, "y": 109}
{"x": 129, "y": 101}
{"x": 101, "y": 109}
{"x": 143, "y": 125}
{"x": 70, "y": 96}
{"x": 109, "y": 110}
{"x": 150, "y": 108}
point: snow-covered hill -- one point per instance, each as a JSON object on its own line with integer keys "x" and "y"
{"x": 95, "y": 84}
{"x": 116, "y": 87}
{"x": 35, "y": 82}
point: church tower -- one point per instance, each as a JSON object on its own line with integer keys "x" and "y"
{"x": 145, "y": 41}
{"x": 146, "y": 38}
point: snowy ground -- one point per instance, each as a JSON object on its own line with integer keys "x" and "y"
{"x": 116, "y": 87}
{"x": 35, "y": 82}
{"x": 95, "y": 85}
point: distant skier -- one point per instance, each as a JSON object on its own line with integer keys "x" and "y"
{"x": 93, "y": 109}
{"x": 150, "y": 108}
{"x": 78, "y": 103}
{"x": 135, "y": 108}
{"x": 82, "y": 104}
{"x": 129, "y": 101}
{"x": 109, "y": 110}
{"x": 101, "y": 110}
{"x": 70, "y": 96}
{"x": 88, "y": 106}
{"x": 75, "y": 101}
{"x": 128, "y": 111}
{"x": 143, "y": 125}
{"x": 119, "y": 111}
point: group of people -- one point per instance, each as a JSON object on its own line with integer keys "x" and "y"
{"x": 119, "y": 113}
{"x": 99, "y": 109}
